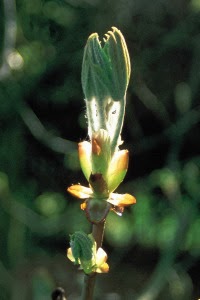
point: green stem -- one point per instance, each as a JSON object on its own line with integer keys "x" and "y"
{"x": 88, "y": 286}
{"x": 98, "y": 232}
{"x": 89, "y": 280}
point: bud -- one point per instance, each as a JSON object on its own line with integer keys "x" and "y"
{"x": 106, "y": 70}
{"x": 105, "y": 77}
{"x": 84, "y": 252}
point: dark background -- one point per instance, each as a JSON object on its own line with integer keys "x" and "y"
{"x": 154, "y": 248}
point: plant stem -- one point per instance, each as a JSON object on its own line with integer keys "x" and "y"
{"x": 88, "y": 286}
{"x": 98, "y": 232}
{"x": 89, "y": 280}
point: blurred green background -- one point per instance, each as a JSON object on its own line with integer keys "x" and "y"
{"x": 154, "y": 248}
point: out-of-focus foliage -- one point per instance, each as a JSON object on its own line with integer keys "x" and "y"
{"x": 154, "y": 248}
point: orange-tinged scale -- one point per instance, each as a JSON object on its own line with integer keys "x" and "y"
{"x": 103, "y": 269}
{"x": 70, "y": 255}
{"x": 84, "y": 152}
{"x": 80, "y": 191}
{"x": 84, "y": 148}
{"x": 120, "y": 161}
{"x": 121, "y": 200}
{"x": 117, "y": 169}
{"x": 83, "y": 205}
{"x": 96, "y": 149}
